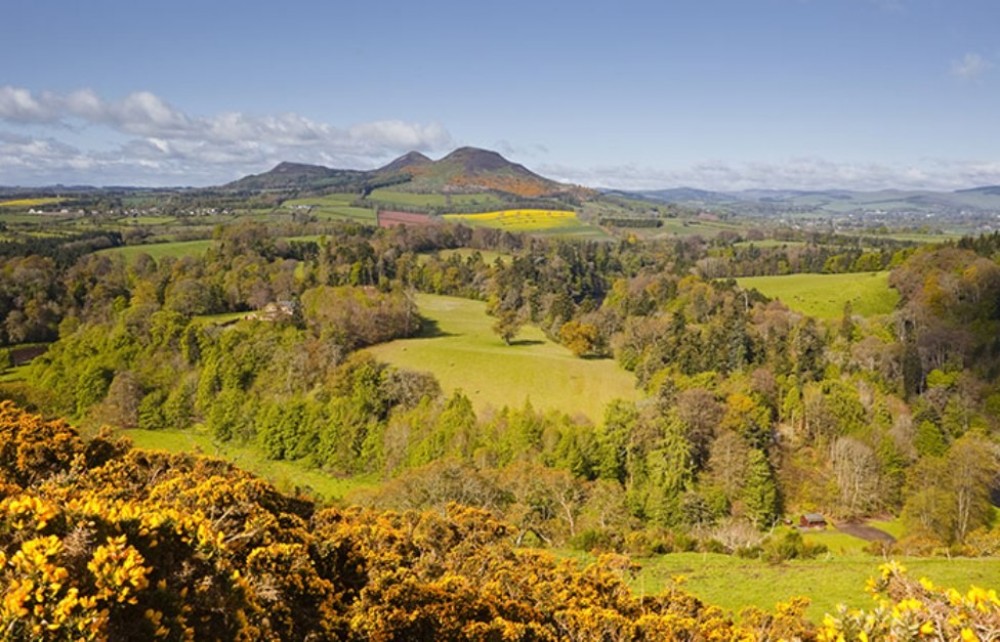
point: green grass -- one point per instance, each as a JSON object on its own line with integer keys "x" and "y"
{"x": 467, "y": 354}
{"x": 219, "y": 319}
{"x": 734, "y": 583}
{"x": 824, "y": 295}
{"x": 474, "y": 202}
{"x": 287, "y": 476}
{"x": 158, "y": 251}
{"x": 489, "y": 256}
{"x": 147, "y": 220}
{"x": 334, "y": 207}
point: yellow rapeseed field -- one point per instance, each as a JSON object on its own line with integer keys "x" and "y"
{"x": 30, "y": 202}
{"x": 531, "y": 219}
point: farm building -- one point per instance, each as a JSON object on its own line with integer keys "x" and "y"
{"x": 274, "y": 311}
{"x": 812, "y": 520}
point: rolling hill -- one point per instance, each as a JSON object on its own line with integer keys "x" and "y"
{"x": 464, "y": 171}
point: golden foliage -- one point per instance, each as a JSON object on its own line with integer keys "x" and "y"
{"x": 146, "y": 545}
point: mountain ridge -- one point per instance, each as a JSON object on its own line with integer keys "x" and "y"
{"x": 463, "y": 170}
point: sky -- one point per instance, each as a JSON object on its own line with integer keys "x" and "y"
{"x": 712, "y": 94}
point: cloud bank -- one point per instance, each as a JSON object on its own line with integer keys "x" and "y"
{"x": 160, "y": 144}
{"x": 797, "y": 173}
{"x": 48, "y": 138}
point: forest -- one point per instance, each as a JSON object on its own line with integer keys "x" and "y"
{"x": 750, "y": 413}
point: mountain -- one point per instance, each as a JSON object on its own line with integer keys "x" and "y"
{"x": 287, "y": 176}
{"x": 987, "y": 190}
{"x": 685, "y": 195}
{"x": 404, "y": 163}
{"x": 465, "y": 170}
{"x": 469, "y": 169}
{"x": 980, "y": 200}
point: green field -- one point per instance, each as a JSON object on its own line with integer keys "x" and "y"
{"x": 489, "y": 256}
{"x": 474, "y": 202}
{"x": 160, "y": 250}
{"x": 734, "y": 583}
{"x": 333, "y": 207}
{"x": 287, "y": 476}
{"x": 824, "y": 295}
{"x": 463, "y": 352}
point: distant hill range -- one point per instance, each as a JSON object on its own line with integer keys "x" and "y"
{"x": 834, "y": 202}
{"x": 465, "y": 170}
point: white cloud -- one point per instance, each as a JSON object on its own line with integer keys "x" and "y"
{"x": 800, "y": 173}
{"x": 161, "y": 137}
{"x": 970, "y": 67}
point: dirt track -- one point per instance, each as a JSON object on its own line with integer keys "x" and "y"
{"x": 865, "y": 532}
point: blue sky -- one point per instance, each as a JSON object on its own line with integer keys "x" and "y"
{"x": 716, "y": 94}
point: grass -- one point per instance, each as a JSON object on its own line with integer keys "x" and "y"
{"x": 463, "y": 352}
{"x": 734, "y": 583}
{"x": 489, "y": 256}
{"x": 287, "y": 476}
{"x": 824, "y": 295}
{"x": 158, "y": 251}
{"x": 413, "y": 199}
{"x": 334, "y": 207}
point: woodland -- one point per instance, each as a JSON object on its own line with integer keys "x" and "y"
{"x": 750, "y": 414}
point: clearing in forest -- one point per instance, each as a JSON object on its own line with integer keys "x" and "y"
{"x": 460, "y": 348}
{"x": 823, "y": 295}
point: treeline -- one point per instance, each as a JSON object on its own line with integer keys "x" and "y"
{"x": 752, "y": 410}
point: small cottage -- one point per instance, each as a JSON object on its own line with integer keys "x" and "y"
{"x": 812, "y": 520}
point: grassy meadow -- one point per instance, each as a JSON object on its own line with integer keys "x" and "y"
{"x": 734, "y": 583}
{"x": 288, "y": 476}
{"x": 334, "y": 207}
{"x": 158, "y": 251}
{"x": 463, "y": 353}
{"x": 824, "y": 295}
{"x": 455, "y": 201}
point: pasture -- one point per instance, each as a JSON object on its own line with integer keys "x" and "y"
{"x": 332, "y": 207}
{"x": 158, "y": 251}
{"x": 287, "y": 476}
{"x": 823, "y": 295}
{"x": 472, "y": 202}
{"x": 462, "y": 351}
{"x": 735, "y": 583}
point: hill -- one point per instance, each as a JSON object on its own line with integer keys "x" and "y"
{"x": 466, "y": 170}
{"x": 289, "y": 176}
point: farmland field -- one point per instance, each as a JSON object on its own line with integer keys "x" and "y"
{"x": 519, "y": 220}
{"x": 455, "y": 201}
{"x": 160, "y": 250}
{"x": 333, "y": 207}
{"x": 532, "y": 221}
{"x": 30, "y": 202}
{"x": 463, "y": 352}
{"x": 824, "y": 295}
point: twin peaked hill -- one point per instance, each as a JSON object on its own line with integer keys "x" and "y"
{"x": 465, "y": 170}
